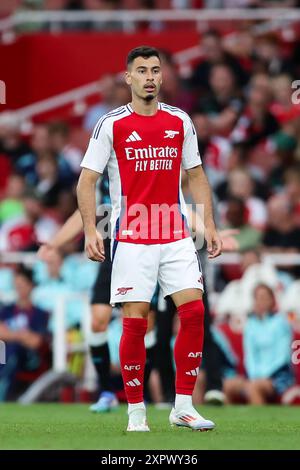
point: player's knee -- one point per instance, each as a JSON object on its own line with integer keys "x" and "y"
{"x": 136, "y": 310}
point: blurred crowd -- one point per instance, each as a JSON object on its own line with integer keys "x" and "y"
{"x": 8, "y": 7}
{"x": 73, "y": 5}
{"x": 247, "y": 117}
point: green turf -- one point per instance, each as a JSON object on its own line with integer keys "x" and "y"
{"x": 54, "y": 426}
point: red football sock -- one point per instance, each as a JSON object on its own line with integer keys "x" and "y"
{"x": 188, "y": 346}
{"x": 133, "y": 357}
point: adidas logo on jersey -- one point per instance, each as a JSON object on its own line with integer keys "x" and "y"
{"x": 133, "y": 383}
{"x": 133, "y": 137}
{"x": 196, "y": 354}
{"x": 193, "y": 372}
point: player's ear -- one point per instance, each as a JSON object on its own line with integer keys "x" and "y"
{"x": 127, "y": 78}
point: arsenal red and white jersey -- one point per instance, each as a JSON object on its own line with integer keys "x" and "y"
{"x": 144, "y": 155}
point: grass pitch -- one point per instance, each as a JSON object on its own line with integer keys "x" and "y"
{"x": 58, "y": 426}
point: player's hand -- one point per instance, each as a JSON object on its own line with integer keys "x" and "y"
{"x": 214, "y": 242}
{"x": 94, "y": 247}
{"x": 46, "y": 252}
{"x": 229, "y": 241}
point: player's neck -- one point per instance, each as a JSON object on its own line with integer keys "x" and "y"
{"x": 144, "y": 108}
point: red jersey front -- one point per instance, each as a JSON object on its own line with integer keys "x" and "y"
{"x": 144, "y": 156}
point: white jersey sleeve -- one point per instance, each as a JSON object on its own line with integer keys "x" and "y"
{"x": 190, "y": 152}
{"x": 99, "y": 149}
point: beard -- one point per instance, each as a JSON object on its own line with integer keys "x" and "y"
{"x": 149, "y": 98}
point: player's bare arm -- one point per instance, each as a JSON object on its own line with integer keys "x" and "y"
{"x": 69, "y": 230}
{"x": 86, "y": 190}
{"x": 201, "y": 193}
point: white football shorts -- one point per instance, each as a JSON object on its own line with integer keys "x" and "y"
{"x": 136, "y": 268}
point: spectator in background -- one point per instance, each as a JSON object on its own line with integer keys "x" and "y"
{"x": 114, "y": 93}
{"x": 40, "y": 145}
{"x": 241, "y": 185}
{"x": 11, "y": 206}
{"x": 268, "y": 57}
{"x": 292, "y": 187}
{"x": 285, "y": 144}
{"x": 248, "y": 238}
{"x": 256, "y": 122}
{"x": 282, "y": 234}
{"x": 59, "y": 141}
{"x": 267, "y": 353}
{"x": 240, "y": 44}
{"x": 23, "y": 327}
{"x": 214, "y": 53}
{"x": 49, "y": 185}
{"x": 238, "y": 160}
{"x": 36, "y": 225}
{"x": 223, "y": 104}
{"x": 261, "y": 81}
{"x": 41, "y": 148}
{"x": 11, "y": 143}
{"x": 214, "y": 150}
{"x": 236, "y": 217}
{"x": 44, "y": 222}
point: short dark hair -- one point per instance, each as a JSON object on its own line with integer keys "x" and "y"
{"x": 26, "y": 272}
{"x": 142, "y": 51}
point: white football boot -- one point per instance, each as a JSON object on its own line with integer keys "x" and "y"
{"x": 190, "y": 418}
